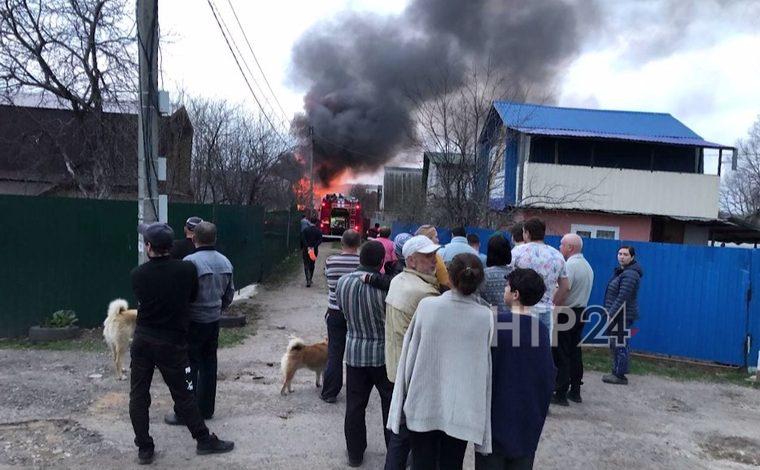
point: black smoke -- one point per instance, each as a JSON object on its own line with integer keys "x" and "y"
{"x": 358, "y": 68}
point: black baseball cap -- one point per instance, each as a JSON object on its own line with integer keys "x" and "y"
{"x": 192, "y": 222}
{"x": 158, "y": 234}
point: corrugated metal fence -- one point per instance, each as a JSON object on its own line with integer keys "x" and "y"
{"x": 77, "y": 254}
{"x": 694, "y": 301}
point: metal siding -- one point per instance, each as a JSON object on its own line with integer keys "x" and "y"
{"x": 622, "y": 190}
{"x": 78, "y": 254}
{"x": 510, "y": 172}
{"x": 753, "y": 309}
{"x": 692, "y": 299}
{"x": 592, "y": 120}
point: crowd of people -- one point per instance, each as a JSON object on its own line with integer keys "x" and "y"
{"x": 457, "y": 343}
{"x": 464, "y": 346}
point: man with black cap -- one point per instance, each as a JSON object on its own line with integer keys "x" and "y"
{"x": 184, "y": 247}
{"x": 164, "y": 288}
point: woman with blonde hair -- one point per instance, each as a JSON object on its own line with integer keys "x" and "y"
{"x": 440, "y": 267}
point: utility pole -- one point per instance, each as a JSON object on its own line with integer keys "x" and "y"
{"x": 147, "y": 128}
{"x": 311, "y": 171}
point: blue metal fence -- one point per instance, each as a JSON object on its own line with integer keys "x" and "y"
{"x": 694, "y": 301}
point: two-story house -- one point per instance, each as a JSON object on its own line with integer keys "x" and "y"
{"x": 604, "y": 174}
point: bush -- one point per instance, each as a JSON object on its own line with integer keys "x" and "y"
{"x": 60, "y": 319}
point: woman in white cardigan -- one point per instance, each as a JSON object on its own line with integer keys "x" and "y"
{"x": 443, "y": 381}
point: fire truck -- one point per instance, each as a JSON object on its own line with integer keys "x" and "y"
{"x": 339, "y": 213}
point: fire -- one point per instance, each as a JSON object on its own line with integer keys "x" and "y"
{"x": 340, "y": 184}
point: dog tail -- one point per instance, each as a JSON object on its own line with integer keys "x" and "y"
{"x": 295, "y": 344}
{"x": 116, "y": 307}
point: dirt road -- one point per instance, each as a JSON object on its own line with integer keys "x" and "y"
{"x": 53, "y": 415}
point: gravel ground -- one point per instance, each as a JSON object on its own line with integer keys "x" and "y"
{"x": 53, "y": 415}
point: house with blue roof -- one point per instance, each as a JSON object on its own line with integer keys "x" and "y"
{"x": 602, "y": 173}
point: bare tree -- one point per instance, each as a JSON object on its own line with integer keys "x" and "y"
{"x": 740, "y": 192}
{"x": 449, "y": 127}
{"x": 80, "y": 53}
{"x": 237, "y": 157}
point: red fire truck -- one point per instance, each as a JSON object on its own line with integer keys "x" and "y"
{"x": 340, "y": 213}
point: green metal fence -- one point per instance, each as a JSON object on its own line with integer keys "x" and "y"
{"x": 60, "y": 253}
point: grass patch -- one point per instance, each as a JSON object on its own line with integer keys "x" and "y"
{"x": 598, "y": 359}
{"x": 230, "y": 337}
{"x": 283, "y": 270}
{"x": 89, "y": 340}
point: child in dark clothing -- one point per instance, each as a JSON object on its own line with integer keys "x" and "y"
{"x": 523, "y": 377}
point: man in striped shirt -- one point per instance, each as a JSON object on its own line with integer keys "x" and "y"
{"x": 364, "y": 308}
{"x": 335, "y": 267}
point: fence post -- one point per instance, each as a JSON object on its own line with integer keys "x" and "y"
{"x": 287, "y": 236}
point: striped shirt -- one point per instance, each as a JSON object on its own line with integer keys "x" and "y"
{"x": 335, "y": 267}
{"x": 364, "y": 309}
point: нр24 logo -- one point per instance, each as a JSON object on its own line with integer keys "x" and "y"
{"x": 606, "y": 330}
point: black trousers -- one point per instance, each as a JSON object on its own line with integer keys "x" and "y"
{"x": 336, "y": 346}
{"x": 499, "y": 462}
{"x": 359, "y": 384}
{"x": 203, "y": 341}
{"x": 308, "y": 264}
{"x": 170, "y": 357}
{"x": 568, "y": 356}
{"x": 436, "y": 450}
{"x": 398, "y": 449}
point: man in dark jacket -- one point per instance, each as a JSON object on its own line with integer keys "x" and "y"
{"x": 184, "y": 247}
{"x": 215, "y": 292}
{"x": 621, "y": 303}
{"x": 164, "y": 288}
{"x": 311, "y": 237}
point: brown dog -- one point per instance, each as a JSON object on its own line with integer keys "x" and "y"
{"x": 299, "y": 355}
{"x": 118, "y": 329}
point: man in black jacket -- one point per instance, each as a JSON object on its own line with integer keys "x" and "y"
{"x": 164, "y": 287}
{"x": 311, "y": 237}
{"x": 184, "y": 247}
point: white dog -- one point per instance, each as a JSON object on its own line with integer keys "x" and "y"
{"x": 118, "y": 329}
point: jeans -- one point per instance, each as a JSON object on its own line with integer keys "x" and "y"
{"x": 171, "y": 360}
{"x": 203, "y": 341}
{"x": 336, "y": 346}
{"x": 620, "y": 353}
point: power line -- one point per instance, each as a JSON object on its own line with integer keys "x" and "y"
{"x": 282, "y": 119}
{"x": 245, "y": 36}
{"x": 247, "y": 82}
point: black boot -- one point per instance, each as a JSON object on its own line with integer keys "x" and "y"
{"x": 575, "y": 394}
{"x": 559, "y": 398}
{"x": 213, "y": 445}
{"x": 145, "y": 456}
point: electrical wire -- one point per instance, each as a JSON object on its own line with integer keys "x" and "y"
{"x": 250, "y": 48}
{"x": 245, "y": 78}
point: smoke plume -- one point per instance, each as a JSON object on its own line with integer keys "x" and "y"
{"x": 357, "y": 68}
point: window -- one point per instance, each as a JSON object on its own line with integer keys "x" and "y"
{"x": 596, "y": 231}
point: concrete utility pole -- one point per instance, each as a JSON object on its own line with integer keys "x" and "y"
{"x": 147, "y": 128}
{"x": 311, "y": 171}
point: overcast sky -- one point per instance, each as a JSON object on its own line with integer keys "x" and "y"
{"x": 697, "y": 60}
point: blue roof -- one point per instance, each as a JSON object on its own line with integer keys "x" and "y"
{"x": 597, "y": 123}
